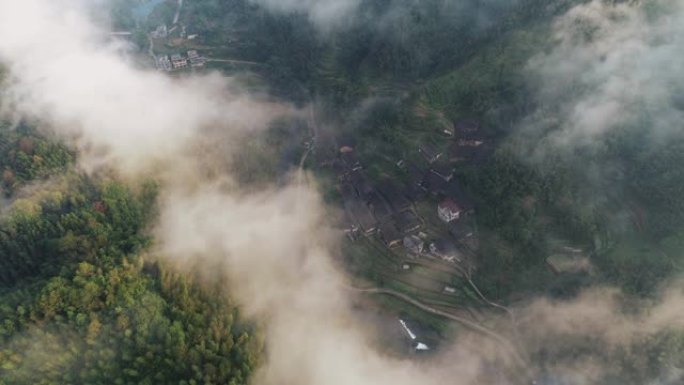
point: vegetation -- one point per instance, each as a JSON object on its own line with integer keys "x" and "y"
{"x": 78, "y": 304}
{"x": 25, "y": 156}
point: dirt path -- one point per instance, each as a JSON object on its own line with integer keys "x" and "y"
{"x": 178, "y": 11}
{"x": 151, "y": 49}
{"x": 234, "y": 61}
{"x": 505, "y": 342}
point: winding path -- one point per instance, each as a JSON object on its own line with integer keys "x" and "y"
{"x": 505, "y": 342}
{"x": 178, "y": 11}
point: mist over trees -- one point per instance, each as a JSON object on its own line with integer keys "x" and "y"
{"x": 77, "y": 302}
{"x": 586, "y": 153}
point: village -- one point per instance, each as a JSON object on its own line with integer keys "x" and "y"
{"x": 414, "y": 228}
{"x": 388, "y": 209}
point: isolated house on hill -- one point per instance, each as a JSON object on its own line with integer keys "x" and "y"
{"x": 448, "y": 210}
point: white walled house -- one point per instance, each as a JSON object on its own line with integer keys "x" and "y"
{"x": 448, "y": 210}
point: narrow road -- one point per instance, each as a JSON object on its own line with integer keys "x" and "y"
{"x": 178, "y": 11}
{"x": 505, "y": 342}
{"x": 233, "y": 61}
{"x": 151, "y": 49}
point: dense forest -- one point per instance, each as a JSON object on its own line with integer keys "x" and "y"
{"x": 78, "y": 302}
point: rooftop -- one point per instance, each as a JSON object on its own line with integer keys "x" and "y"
{"x": 394, "y": 195}
{"x": 450, "y": 204}
{"x": 389, "y": 233}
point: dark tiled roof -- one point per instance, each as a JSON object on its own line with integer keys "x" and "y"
{"x": 389, "y": 233}
{"x": 360, "y": 212}
{"x": 379, "y": 206}
{"x": 394, "y": 195}
{"x": 407, "y": 221}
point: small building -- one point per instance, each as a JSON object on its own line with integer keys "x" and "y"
{"x": 434, "y": 184}
{"x": 390, "y": 235}
{"x": 195, "y": 59}
{"x": 164, "y": 63}
{"x": 362, "y": 185}
{"x": 469, "y": 142}
{"x": 379, "y": 207}
{"x": 449, "y": 131}
{"x": 459, "y": 153}
{"x": 407, "y": 221}
{"x": 568, "y": 263}
{"x": 467, "y": 128}
{"x": 350, "y": 159}
{"x": 361, "y": 215}
{"x": 415, "y": 174}
{"x": 414, "y": 244}
{"x": 421, "y": 347}
{"x": 446, "y": 251}
{"x": 457, "y": 193}
{"x": 461, "y": 231}
{"x": 160, "y": 33}
{"x": 449, "y": 290}
{"x": 448, "y": 210}
{"x": 443, "y": 170}
{"x": 430, "y": 153}
{"x": 394, "y": 195}
{"x": 178, "y": 61}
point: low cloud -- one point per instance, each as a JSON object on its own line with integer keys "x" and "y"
{"x": 66, "y": 72}
{"x": 324, "y": 13}
{"x": 612, "y": 66}
{"x": 274, "y": 246}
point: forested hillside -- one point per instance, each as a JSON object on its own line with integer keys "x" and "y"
{"x": 79, "y": 304}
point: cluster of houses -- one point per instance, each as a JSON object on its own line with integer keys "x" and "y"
{"x": 386, "y": 208}
{"x": 374, "y": 208}
{"x": 177, "y": 61}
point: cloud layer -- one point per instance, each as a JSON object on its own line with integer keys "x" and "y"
{"x": 274, "y": 246}
{"x": 612, "y": 66}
